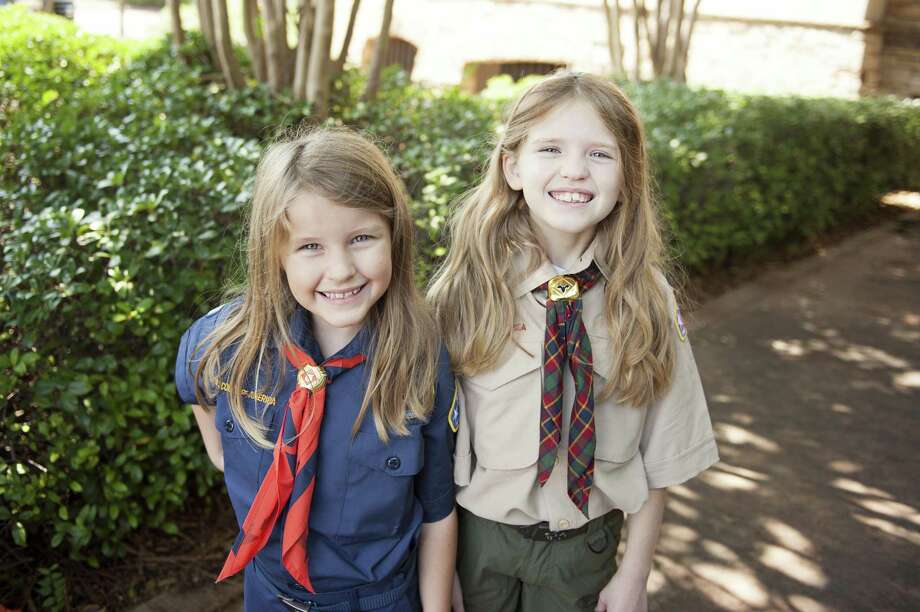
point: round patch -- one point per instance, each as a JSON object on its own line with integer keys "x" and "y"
{"x": 453, "y": 417}
{"x": 679, "y": 323}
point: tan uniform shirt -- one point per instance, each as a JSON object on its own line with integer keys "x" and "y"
{"x": 637, "y": 449}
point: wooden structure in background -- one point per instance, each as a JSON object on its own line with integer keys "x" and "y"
{"x": 399, "y": 51}
{"x": 477, "y": 74}
{"x": 891, "y": 61}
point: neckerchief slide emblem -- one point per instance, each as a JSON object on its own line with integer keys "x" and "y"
{"x": 563, "y": 288}
{"x": 311, "y": 377}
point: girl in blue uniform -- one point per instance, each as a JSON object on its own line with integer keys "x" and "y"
{"x": 322, "y": 394}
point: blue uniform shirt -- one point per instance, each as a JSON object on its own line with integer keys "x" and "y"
{"x": 370, "y": 498}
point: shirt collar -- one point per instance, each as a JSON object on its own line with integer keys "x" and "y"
{"x": 545, "y": 270}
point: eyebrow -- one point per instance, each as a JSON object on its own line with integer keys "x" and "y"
{"x": 376, "y": 226}
{"x": 608, "y": 145}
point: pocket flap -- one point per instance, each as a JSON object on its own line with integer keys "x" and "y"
{"x": 401, "y": 457}
{"x": 516, "y": 362}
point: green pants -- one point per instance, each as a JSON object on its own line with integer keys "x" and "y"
{"x": 503, "y": 570}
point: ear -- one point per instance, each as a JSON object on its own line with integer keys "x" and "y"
{"x": 511, "y": 172}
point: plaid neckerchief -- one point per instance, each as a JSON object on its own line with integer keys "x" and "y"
{"x": 289, "y": 482}
{"x": 566, "y": 340}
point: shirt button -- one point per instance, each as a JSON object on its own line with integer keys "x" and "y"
{"x": 393, "y": 463}
{"x": 564, "y": 524}
{"x": 228, "y": 425}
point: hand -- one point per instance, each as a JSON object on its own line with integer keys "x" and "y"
{"x": 456, "y": 596}
{"x": 624, "y": 593}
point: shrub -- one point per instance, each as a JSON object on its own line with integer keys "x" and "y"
{"x": 121, "y": 197}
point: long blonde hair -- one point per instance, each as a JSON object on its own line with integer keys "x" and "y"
{"x": 346, "y": 168}
{"x": 471, "y": 291}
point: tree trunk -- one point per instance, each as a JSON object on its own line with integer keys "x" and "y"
{"x": 254, "y": 38}
{"x": 206, "y": 20}
{"x": 276, "y": 48}
{"x": 681, "y": 70}
{"x": 343, "y": 54}
{"x": 318, "y": 81}
{"x": 302, "y": 51}
{"x": 614, "y": 41}
{"x": 675, "y": 19}
{"x": 638, "y": 11}
{"x": 175, "y": 20}
{"x": 121, "y": 18}
{"x": 380, "y": 49}
{"x": 229, "y": 66}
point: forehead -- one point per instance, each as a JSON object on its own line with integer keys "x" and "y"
{"x": 574, "y": 120}
{"x": 313, "y": 214}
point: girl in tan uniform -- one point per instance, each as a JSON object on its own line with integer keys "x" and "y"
{"x": 581, "y": 397}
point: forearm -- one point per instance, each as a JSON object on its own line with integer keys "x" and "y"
{"x": 437, "y": 554}
{"x": 643, "y": 528}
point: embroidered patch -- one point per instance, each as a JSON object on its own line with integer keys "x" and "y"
{"x": 519, "y": 327}
{"x": 259, "y": 397}
{"x": 679, "y": 324}
{"x": 453, "y": 416}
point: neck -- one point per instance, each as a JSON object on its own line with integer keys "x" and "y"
{"x": 332, "y": 339}
{"x": 564, "y": 249}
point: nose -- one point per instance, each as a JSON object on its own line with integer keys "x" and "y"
{"x": 574, "y": 167}
{"x": 341, "y": 266}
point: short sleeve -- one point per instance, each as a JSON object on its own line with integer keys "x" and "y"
{"x": 677, "y": 439}
{"x": 435, "y": 483}
{"x": 190, "y": 354}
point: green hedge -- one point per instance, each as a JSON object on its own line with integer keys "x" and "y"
{"x": 121, "y": 195}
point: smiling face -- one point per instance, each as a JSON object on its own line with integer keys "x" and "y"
{"x": 338, "y": 264}
{"x": 569, "y": 170}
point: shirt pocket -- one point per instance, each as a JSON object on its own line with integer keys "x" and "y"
{"x": 380, "y": 496}
{"x": 618, "y": 426}
{"x": 503, "y": 406}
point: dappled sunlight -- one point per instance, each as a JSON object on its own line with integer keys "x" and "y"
{"x": 802, "y": 603}
{"x": 788, "y": 536}
{"x": 720, "y": 551}
{"x": 891, "y": 509}
{"x": 909, "y": 200}
{"x": 726, "y": 481}
{"x": 680, "y": 508}
{"x": 683, "y": 491}
{"x": 793, "y": 565}
{"x": 841, "y": 409}
{"x": 743, "y": 472}
{"x": 910, "y": 536}
{"x": 737, "y": 581}
{"x": 845, "y": 466}
{"x": 870, "y": 357}
{"x": 732, "y": 434}
{"x": 907, "y": 380}
{"x": 851, "y": 486}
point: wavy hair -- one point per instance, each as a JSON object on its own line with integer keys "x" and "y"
{"x": 346, "y": 168}
{"x": 491, "y": 226}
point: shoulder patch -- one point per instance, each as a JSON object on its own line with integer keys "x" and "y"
{"x": 679, "y": 324}
{"x": 453, "y": 415}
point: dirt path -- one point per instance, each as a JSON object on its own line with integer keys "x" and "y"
{"x": 813, "y": 378}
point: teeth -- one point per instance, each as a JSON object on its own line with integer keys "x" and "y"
{"x": 341, "y": 295}
{"x": 571, "y": 196}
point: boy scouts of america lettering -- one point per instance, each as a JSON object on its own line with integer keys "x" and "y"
{"x": 259, "y": 397}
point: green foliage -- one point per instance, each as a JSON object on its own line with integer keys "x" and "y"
{"x": 121, "y": 197}
{"x": 742, "y": 175}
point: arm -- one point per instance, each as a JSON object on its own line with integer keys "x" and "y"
{"x": 626, "y": 591}
{"x": 204, "y": 415}
{"x": 437, "y": 555}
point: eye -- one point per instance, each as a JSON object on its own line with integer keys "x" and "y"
{"x": 362, "y": 238}
{"x": 601, "y": 155}
{"x": 310, "y": 246}
{"x": 549, "y": 150}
